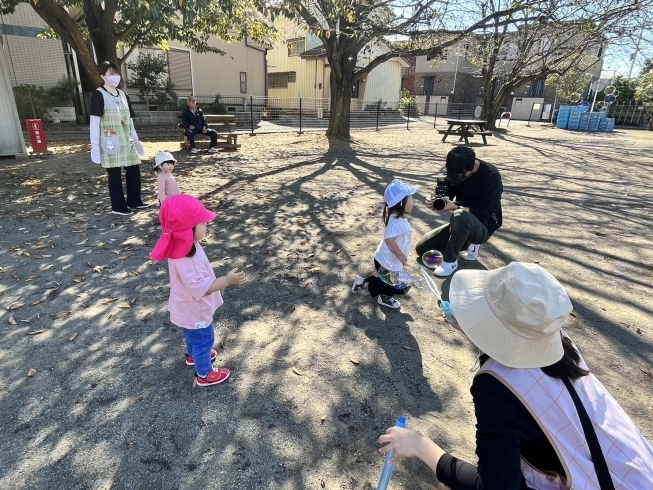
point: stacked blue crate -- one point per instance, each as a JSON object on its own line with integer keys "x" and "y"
{"x": 574, "y": 118}
{"x": 563, "y": 116}
{"x": 610, "y": 122}
{"x": 584, "y": 121}
{"x": 595, "y": 120}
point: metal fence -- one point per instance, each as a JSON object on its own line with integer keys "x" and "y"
{"x": 631, "y": 114}
{"x": 297, "y": 114}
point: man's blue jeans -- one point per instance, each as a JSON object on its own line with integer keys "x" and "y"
{"x": 198, "y": 130}
{"x": 199, "y": 344}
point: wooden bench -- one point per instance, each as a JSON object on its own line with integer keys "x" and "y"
{"x": 223, "y": 124}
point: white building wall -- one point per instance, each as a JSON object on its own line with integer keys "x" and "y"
{"x": 383, "y": 83}
{"x": 11, "y": 135}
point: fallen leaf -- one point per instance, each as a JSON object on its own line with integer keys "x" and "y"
{"x": 110, "y": 300}
{"x": 573, "y": 314}
{"x": 31, "y": 372}
{"x": 66, "y": 267}
{"x": 15, "y": 306}
{"x": 63, "y": 314}
{"x": 49, "y": 266}
{"x": 303, "y": 242}
{"x": 297, "y": 372}
{"x": 79, "y": 279}
{"x": 322, "y": 484}
{"x": 72, "y": 337}
{"x": 32, "y": 277}
{"x": 98, "y": 269}
{"x": 12, "y": 321}
{"x": 314, "y": 269}
{"x": 324, "y": 418}
{"x": 101, "y": 244}
{"x": 124, "y": 306}
{"x": 147, "y": 316}
{"x": 37, "y": 302}
{"x": 133, "y": 301}
{"x": 292, "y": 309}
{"x": 354, "y": 361}
{"x": 26, "y": 254}
{"x": 36, "y": 332}
{"x": 408, "y": 348}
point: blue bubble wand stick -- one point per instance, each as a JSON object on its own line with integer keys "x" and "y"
{"x": 445, "y": 306}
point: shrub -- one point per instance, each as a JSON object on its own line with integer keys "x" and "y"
{"x": 215, "y": 107}
{"x": 408, "y": 103}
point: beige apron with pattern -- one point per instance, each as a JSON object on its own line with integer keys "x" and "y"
{"x": 116, "y": 147}
{"x": 628, "y": 455}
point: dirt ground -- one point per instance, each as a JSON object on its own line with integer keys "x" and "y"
{"x": 318, "y": 373}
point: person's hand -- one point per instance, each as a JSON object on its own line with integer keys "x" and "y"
{"x": 235, "y": 278}
{"x": 191, "y": 127}
{"x": 139, "y": 148}
{"x": 204, "y": 129}
{"x": 404, "y": 442}
{"x": 95, "y": 154}
{"x": 429, "y": 201}
{"x": 449, "y": 205}
{"x": 403, "y": 259}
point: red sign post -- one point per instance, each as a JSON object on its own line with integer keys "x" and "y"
{"x": 37, "y": 135}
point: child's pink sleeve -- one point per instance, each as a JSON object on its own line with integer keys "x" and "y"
{"x": 160, "y": 178}
{"x": 192, "y": 278}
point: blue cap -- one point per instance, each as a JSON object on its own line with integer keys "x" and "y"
{"x": 401, "y": 422}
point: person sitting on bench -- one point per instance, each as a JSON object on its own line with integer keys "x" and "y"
{"x": 195, "y": 122}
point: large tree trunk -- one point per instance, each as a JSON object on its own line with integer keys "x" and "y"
{"x": 101, "y": 30}
{"x": 340, "y": 110}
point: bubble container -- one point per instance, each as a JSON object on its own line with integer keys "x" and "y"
{"x": 389, "y": 467}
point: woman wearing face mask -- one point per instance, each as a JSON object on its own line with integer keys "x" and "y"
{"x": 114, "y": 142}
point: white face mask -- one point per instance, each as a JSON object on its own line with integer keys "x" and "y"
{"x": 113, "y": 80}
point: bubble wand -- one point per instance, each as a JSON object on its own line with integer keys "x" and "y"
{"x": 445, "y": 306}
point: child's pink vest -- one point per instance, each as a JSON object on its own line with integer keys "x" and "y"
{"x": 628, "y": 454}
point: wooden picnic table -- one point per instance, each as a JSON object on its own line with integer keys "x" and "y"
{"x": 465, "y": 128}
{"x": 224, "y": 124}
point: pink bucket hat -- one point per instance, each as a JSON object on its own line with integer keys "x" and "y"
{"x": 178, "y": 215}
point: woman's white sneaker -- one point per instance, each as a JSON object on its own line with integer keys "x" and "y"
{"x": 445, "y": 269}
{"x": 471, "y": 253}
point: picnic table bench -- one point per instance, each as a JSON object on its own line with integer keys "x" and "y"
{"x": 224, "y": 124}
{"x": 465, "y": 128}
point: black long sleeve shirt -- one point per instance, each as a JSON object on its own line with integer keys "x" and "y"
{"x": 190, "y": 118}
{"x": 505, "y": 430}
{"x": 481, "y": 193}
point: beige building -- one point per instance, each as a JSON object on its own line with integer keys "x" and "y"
{"x": 298, "y": 67}
{"x": 238, "y": 73}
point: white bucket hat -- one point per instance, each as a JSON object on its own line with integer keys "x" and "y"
{"x": 396, "y": 191}
{"x": 163, "y": 156}
{"x": 514, "y": 314}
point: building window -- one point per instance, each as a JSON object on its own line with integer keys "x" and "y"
{"x": 277, "y": 80}
{"x": 281, "y": 80}
{"x": 297, "y": 47}
{"x": 537, "y": 88}
{"x": 243, "y": 82}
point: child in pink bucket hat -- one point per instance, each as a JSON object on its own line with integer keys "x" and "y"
{"x": 194, "y": 288}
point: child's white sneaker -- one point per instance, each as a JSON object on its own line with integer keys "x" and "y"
{"x": 213, "y": 149}
{"x": 471, "y": 253}
{"x": 359, "y": 284}
{"x": 445, "y": 269}
{"x": 194, "y": 150}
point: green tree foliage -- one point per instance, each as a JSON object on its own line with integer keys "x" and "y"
{"x": 149, "y": 72}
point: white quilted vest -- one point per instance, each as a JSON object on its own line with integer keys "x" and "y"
{"x": 628, "y": 455}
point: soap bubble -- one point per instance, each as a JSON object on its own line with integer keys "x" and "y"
{"x": 432, "y": 258}
{"x": 624, "y": 191}
{"x": 574, "y": 98}
{"x": 584, "y": 103}
{"x": 399, "y": 279}
{"x": 599, "y": 106}
{"x": 609, "y": 99}
{"x": 609, "y": 90}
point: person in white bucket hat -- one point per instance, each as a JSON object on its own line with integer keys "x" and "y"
{"x": 543, "y": 420}
{"x": 164, "y": 164}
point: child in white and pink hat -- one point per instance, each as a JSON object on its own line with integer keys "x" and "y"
{"x": 194, "y": 288}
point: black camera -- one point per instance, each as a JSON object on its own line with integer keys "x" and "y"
{"x": 439, "y": 198}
